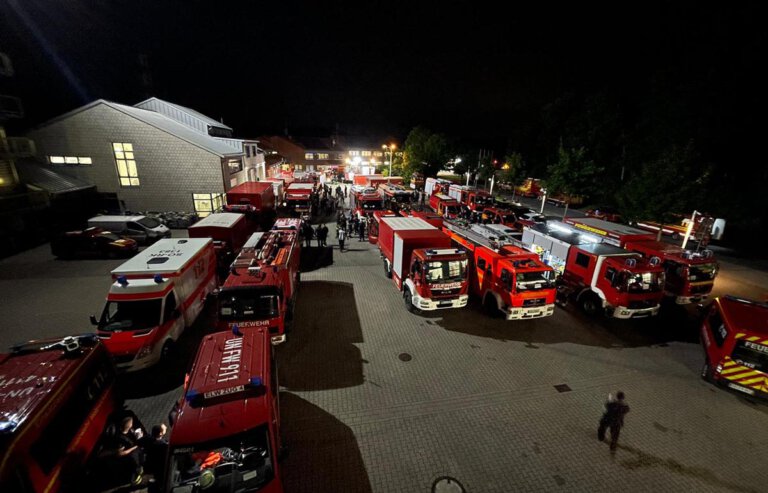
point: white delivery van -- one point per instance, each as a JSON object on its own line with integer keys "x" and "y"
{"x": 140, "y": 228}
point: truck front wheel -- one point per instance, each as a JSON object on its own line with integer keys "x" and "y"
{"x": 590, "y": 304}
{"x": 408, "y": 300}
{"x": 491, "y": 307}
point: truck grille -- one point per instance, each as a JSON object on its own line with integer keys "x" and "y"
{"x": 704, "y": 288}
{"x": 640, "y": 304}
{"x": 534, "y": 302}
{"x": 443, "y": 293}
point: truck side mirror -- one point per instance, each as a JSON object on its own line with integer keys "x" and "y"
{"x": 94, "y": 321}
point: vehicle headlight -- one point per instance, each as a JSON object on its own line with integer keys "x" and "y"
{"x": 144, "y": 352}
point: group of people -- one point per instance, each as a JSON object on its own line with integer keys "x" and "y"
{"x": 320, "y": 234}
{"x": 139, "y": 453}
{"x": 327, "y": 200}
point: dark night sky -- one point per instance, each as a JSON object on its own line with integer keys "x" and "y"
{"x": 470, "y": 69}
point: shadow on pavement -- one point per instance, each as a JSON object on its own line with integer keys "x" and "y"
{"x": 169, "y": 374}
{"x": 320, "y": 352}
{"x": 313, "y": 258}
{"x": 323, "y": 454}
{"x": 673, "y": 324}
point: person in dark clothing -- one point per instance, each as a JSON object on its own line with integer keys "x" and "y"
{"x": 128, "y": 448}
{"x": 361, "y": 230}
{"x": 613, "y": 418}
{"x": 157, "y": 449}
{"x": 323, "y": 234}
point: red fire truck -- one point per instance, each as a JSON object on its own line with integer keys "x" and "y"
{"x": 56, "y": 398}
{"x": 734, "y": 334}
{"x": 373, "y": 225}
{"x": 436, "y": 185}
{"x": 228, "y": 230}
{"x": 445, "y": 206}
{"x": 251, "y": 196}
{"x": 298, "y": 198}
{"x": 531, "y": 187}
{"x": 155, "y": 296}
{"x": 365, "y": 201}
{"x": 396, "y": 193}
{"x": 226, "y": 430}
{"x": 690, "y": 275}
{"x": 473, "y": 199}
{"x": 507, "y": 278}
{"x": 432, "y": 218}
{"x": 600, "y": 277}
{"x": 261, "y": 287}
{"x": 423, "y": 264}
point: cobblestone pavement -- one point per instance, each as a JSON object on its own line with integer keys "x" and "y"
{"x": 375, "y": 399}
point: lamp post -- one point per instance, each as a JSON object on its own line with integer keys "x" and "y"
{"x": 391, "y": 148}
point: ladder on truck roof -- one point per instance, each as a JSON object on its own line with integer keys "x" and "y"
{"x": 274, "y": 248}
{"x": 482, "y": 235}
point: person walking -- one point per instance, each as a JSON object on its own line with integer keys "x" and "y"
{"x": 361, "y": 230}
{"x": 308, "y": 234}
{"x": 613, "y": 418}
{"x": 341, "y": 233}
{"x": 323, "y": 233}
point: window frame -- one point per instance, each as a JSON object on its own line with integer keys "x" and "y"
{"x": 580, "y": 258}
{"x": 124, "y": 153}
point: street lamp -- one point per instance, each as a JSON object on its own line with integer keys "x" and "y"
{"x": 391, "y": 148}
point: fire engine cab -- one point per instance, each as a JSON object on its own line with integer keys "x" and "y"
{"x": 226, "y": 430}
{"x": 445, "y": 206}
{"x": 690, "y": 275}
{"x": 734, "y": 334}
{"x": 507, "y": 278}
{"x": 600, "y": 277}
{"x": 260, "y": 289}
{"x": 366, "y": 201}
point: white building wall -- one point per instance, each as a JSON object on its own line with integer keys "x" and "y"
{"x": 170, "y": 169}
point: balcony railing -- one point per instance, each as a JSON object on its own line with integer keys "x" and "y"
{"x": 17, "y": 147}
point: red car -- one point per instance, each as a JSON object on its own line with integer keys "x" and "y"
{"x": 93, "y": 242}
{"x": 604, "y": 213}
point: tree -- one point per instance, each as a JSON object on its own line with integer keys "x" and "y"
{"x": 513, "y": 169}
{"x": 665, "y": 187}
{"x": 573, "y": 174}
{"x": 425, "y": 152}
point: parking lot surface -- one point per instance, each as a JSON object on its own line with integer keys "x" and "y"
{"x": 376, "y": 399}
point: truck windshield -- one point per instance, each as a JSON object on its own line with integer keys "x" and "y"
{"x": 237, "y": 463}
{"x": 130, "y": 315}
{"x": 296, "y": 204}
{"x": 482, "y": 200}
{"x": 751, "y": 354}
{"x": 451, "y": 210}
{"x": 447, "y": 270}
{"x": 642, "y": 282}
{"x": 509, "y": 219}
{"x": 526, "y": 281}
{"x": 371, "y": 205}
{"x": 702, "y": 272}
{"x": 248, "y": 304}
{"x": 149, "y": 222}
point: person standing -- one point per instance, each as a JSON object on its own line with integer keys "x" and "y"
{"x": 613, "y": 418}
{"x": 157, "y": 450}
{"x": 342, "y": 235}
{"x": 361, "y": 230}
{"x": 128, "y": 447}
{"x": 323, "y": 233}
{"x": 308, "y": 234}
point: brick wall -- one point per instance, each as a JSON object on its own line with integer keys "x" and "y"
{"x": 170, "y": 169}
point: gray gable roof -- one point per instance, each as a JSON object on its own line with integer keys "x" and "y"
{"x": 160, "y": 122}
{"x": 177, "y": 112}
{"x": 49, "y": 180}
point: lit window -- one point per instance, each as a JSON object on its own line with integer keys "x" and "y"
{"x": 235, "y": 166}
{"x": 354, "y": 153}
{"x": 378, "y": 154}
{"x": 69, "y": 160}
{"x": 206, "y": 203}
{"x": 366, "y": 153}
{"x": 322, "y": 156}
{"x": 127, "y": 172}
{"x": 309, "y": 155}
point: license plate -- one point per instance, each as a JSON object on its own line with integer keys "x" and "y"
{"x": 445, "y": 303}
{"x": 741, "y": 389}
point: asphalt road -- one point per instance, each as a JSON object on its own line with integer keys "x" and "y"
{"x": 377, "y": 399}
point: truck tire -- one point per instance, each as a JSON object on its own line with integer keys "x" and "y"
{"x": 590, "y": 304}
{"x": 408, "y": 300}
{"x": 387, "y": 270}
{"x": 491, "y": 307}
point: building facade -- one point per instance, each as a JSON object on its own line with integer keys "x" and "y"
{"x": 153, "y": 156}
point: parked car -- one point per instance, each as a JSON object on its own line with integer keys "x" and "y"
{"x": 531, "y": 218}
{"x": 606, "y": 213}
{"x": 137, "y": 227}
{"x": 93, "y": 242}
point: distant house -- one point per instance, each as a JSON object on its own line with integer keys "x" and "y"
{"x": 154, "y": 156}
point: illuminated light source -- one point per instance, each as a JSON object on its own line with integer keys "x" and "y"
{"x": 256, "y": 381}
{"x": 562, "y": 229}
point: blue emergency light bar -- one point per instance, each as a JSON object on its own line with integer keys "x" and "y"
{"x": 236, "y": 330}
{"x": 256, "y": 382}
{"x": 159, "y": 279}
{"x": 192, "y": 395}
{"x": 122, "y": 280}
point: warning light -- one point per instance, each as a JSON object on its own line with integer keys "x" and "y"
{"x": 122, "y": 280}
